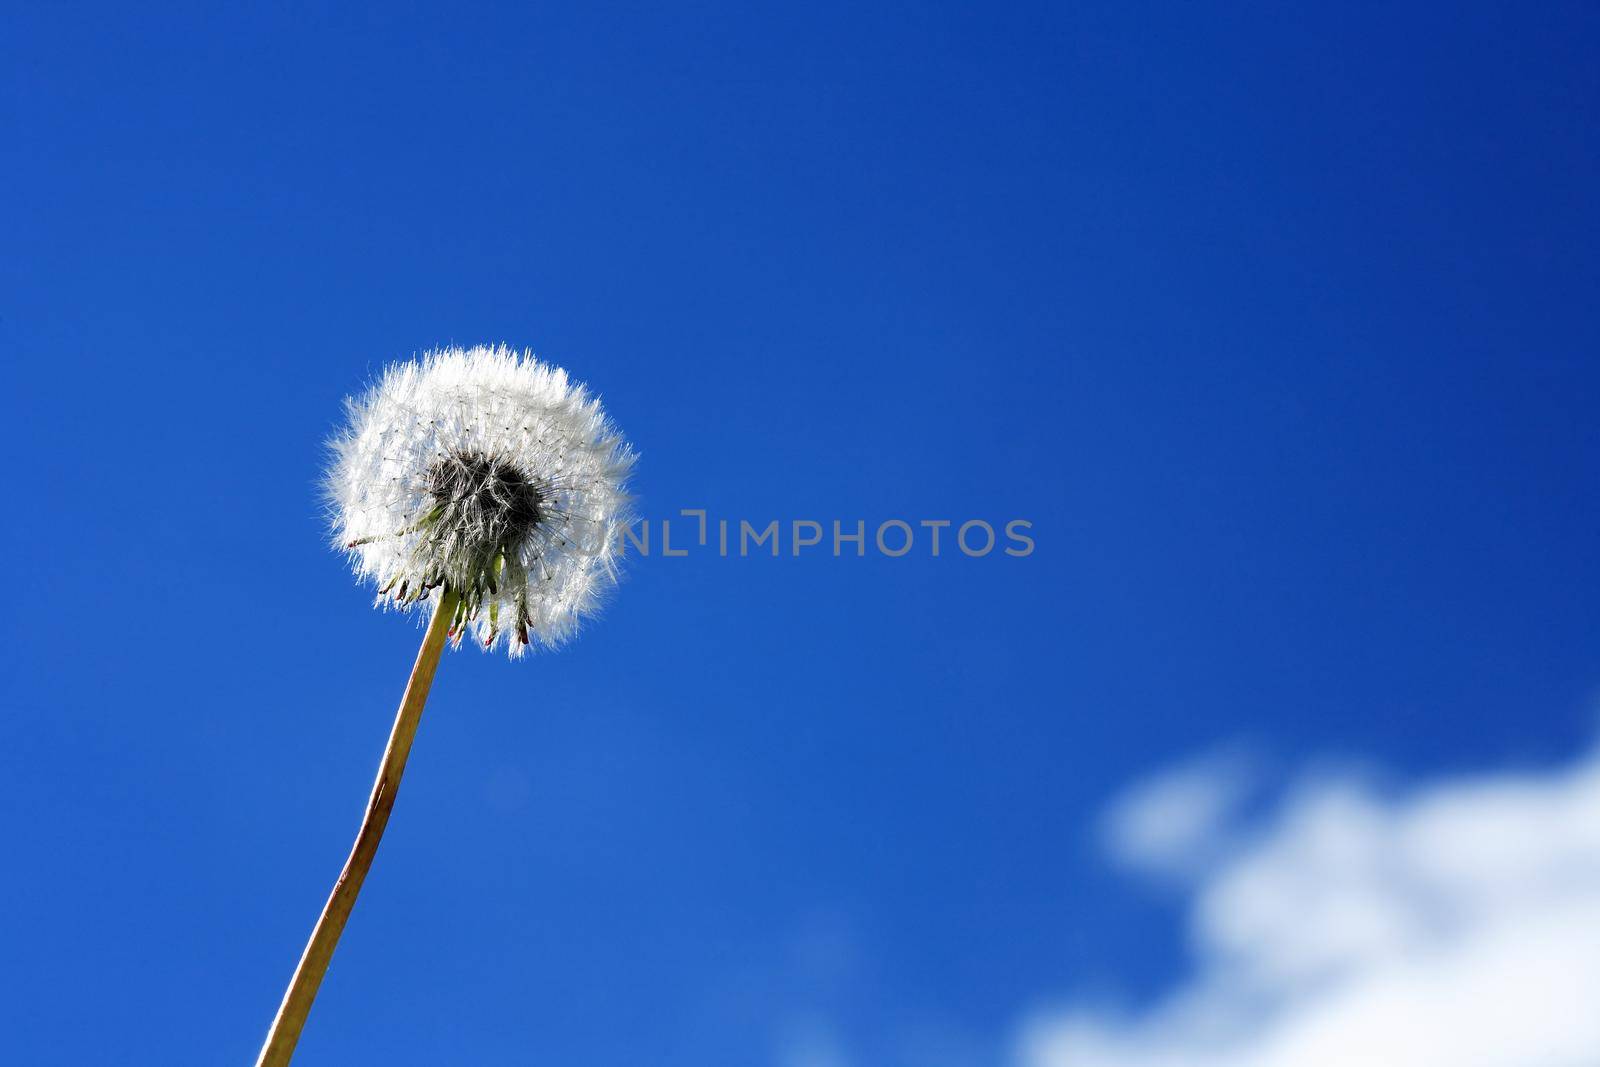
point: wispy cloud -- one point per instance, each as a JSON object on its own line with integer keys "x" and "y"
{"x": 1177, "y": 823}
{"x": 1455, "y": 925}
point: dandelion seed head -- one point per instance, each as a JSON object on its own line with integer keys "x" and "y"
{"x": 487, "y": 472}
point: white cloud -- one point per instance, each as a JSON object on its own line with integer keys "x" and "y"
{"x": 811, "y": 1042}
{"x": 1175, "y": 823}
{"x": 1452, "y": 926}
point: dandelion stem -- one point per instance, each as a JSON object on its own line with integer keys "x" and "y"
{"x": 307, "y": 978}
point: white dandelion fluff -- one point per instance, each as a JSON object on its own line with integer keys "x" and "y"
{"x": 490, "y": 474}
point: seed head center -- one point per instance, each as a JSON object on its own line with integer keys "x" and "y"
{"x": 485, "y": 501}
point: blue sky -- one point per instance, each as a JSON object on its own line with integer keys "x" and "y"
{"x": 1277, "y": 322}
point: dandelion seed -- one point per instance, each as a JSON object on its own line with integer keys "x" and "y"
{"x": 477, "y": 470}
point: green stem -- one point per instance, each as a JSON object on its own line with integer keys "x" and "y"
{"x": 307, "y": 978}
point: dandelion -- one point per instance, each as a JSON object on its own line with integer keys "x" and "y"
{"x": 483, "y": 486}
{"x": 488, "y": 474}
